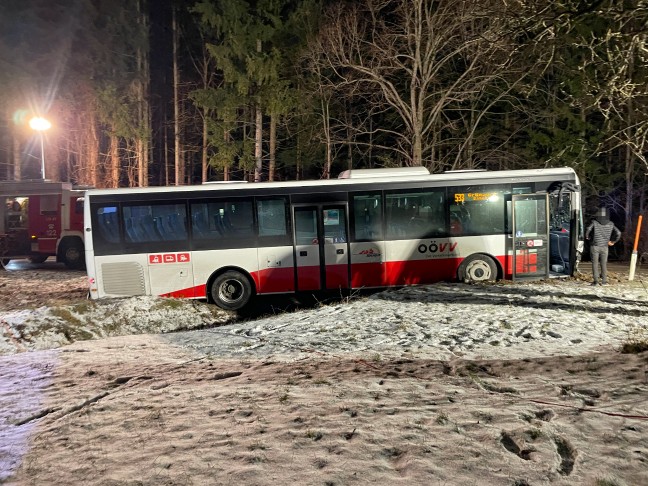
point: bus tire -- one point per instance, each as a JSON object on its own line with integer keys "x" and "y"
{"x": 37, "y": 258}
{"x": 71, "y": 253}
{"x": 478, "y": 268}
{"x": 231, "y": 290}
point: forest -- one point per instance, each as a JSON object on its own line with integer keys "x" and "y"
{"x": 171, "y": 92}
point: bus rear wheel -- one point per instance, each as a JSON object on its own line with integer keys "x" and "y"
{"x": 231, "y": 290}
{"x": 478, "y": 268}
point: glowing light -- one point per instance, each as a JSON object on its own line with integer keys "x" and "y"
{"x": 39, "y": 124}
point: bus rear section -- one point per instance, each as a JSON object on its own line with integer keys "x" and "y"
{"x": 228, "y": 244}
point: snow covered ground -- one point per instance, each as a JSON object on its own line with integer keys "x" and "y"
{"x": 500, "y": 320}
{"x": 503, "y": 383}
{"x": 441, "y": 321}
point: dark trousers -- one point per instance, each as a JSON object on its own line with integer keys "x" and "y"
{"x": 599, "y": 261}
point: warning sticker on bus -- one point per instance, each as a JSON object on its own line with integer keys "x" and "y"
{"x": 156, "y": 258}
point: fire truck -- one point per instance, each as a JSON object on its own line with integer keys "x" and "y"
{"x": 40, "y": 219}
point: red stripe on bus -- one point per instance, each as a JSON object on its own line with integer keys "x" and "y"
{"x": 414, "y": 272}
{"x": 274, "y": 280}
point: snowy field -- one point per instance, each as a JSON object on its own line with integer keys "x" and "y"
{"x": 505, "y": 383}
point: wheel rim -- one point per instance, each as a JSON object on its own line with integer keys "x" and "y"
{"x": 72, "y": 254}
{"x": 230, "y": 291}
{"x": 479, "y": 271}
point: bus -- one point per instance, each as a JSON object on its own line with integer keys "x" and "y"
{"x": 370, "y": 228}
{"x": 40, "y": 219}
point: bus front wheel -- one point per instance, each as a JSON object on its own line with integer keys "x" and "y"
{"x": 478, "y": 268}
{"x": 231, "y": 290}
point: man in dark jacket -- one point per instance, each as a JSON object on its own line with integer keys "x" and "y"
{"x": 600, "y": 235}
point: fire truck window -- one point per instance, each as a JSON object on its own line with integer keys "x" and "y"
{"x": 48, "y": 205}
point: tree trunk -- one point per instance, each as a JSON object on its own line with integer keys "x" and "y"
{"x": 143, "y": 108}
{"x": 272, "y": 163}
{"x": 258, "y": 144}
{"x": 114, "y": 161}
{"x": 176, "y": 102}
{"x": 258, "y": 139}
{"x": 205, "y": 146}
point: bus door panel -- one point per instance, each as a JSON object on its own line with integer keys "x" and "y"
{"x": 336, "y": 247}
{"x": 530, "y": 236}
{"x": 171, "y": 274}
{"x": 44, "y": 222}
{"x": 307, "y": 249}
{"x": 321, "y": 247}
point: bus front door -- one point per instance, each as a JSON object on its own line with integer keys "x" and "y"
{"x": 530, "y": 236}
{"x": 321, "y": 247}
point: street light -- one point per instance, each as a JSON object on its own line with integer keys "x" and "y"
{"x": 40, "y": 125}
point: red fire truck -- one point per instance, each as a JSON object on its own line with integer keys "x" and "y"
{"x": 39, "y": 219}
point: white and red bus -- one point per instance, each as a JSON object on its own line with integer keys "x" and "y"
{"x": 39, "y": 219}
{"x": 369, "y": 228}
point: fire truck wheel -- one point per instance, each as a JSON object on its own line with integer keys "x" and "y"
{"x": 4, "y": 262}
{"x": 72, "y": 255}
{"x": 478, "y": 268}
{"x": 231, "y": 290}
{"x": 37, "y": 258}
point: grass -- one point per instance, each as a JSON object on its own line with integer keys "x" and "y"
{"x": 636, "y": 342}
{"x": 314, "y": 434}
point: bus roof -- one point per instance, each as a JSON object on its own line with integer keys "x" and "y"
{"x": 385, "y": 176}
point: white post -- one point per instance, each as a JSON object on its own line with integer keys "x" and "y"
{"x": 42, "y": 156}
{"x": 633, "y": 258}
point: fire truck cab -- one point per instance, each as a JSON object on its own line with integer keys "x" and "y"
{"x": 39, "y": 219}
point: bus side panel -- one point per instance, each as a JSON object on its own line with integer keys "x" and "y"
{"x": 368, "y": 264}
{"x": 205, "y": 263}
{"x": 171, "y": 274}
{"x": 411, "y": 262}
{"x": 276, "y": 270}
{"x": 119, "y": 276}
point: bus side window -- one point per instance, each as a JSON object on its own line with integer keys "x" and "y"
{"x": 271, "y": 214}
{"x": 107, "y": 224}
{"x": 367, "y": 217}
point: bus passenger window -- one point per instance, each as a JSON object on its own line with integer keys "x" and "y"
{"x": 480, "y": 210}
{"x": 415, "y": 215}
{"x": 108, "y": 224}
{"x": 155, "y": 222}
{"x": 367, "y": 217}
{"x": 232, "y": 219}
{"x": 271, "y": 214}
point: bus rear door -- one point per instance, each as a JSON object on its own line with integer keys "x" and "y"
{"x": 530, "y": 236}
{"x": 321, "y": 247}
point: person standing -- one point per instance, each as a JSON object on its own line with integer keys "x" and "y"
{"x": 601, "y": 233}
